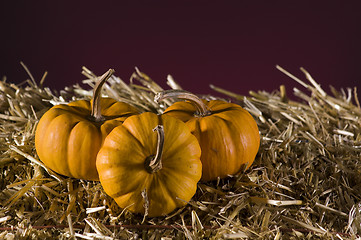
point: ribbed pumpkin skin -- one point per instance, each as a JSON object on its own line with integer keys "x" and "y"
{"x": 121, "y": 164}
{"x": 229, "y": 136}
{"x": 67, "y": 140}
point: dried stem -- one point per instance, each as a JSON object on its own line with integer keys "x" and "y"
{"x": 202, "y": 109}
{"x": 96, "y": 110}
{"x": 154, "y": 163}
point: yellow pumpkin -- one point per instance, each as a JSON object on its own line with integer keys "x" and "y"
{"x": 69, "y": 136}
{"x": 147, "y": 172}
{"x": 227, "y": 133}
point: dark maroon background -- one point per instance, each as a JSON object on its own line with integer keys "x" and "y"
{"x": 232, "y": 44}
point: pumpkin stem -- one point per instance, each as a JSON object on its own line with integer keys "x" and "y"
{"x": 154, "y": 163}
{"x": 96, "y": 111}
{"x": 202, "y": 109}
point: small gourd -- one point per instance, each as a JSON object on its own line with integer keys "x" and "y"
{"x": 69, "y": 136}
{"x": 148, "y": 172}
{"x": 227, "y": 133}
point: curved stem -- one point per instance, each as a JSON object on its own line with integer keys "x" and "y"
{"x": 202, "y": 109}
{"x": 154, "y": 163}
{"x": 96, "y": 111}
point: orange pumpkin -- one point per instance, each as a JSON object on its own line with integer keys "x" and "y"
{"x": 227, "y": 133}
{"x": 150, "y": 173}
{"x": 69, "y": 136}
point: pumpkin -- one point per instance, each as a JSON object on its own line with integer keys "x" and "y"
{"x": 227, "y": 133}
{"x": 147, "y": 172}
{"x": 69, "y": 136}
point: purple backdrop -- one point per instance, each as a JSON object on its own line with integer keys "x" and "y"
{"x": 232, "y": 44}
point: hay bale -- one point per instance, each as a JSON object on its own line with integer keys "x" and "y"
{"x": 304, "y": 182}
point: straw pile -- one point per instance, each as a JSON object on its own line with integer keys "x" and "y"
{"x": 304, "y": 183}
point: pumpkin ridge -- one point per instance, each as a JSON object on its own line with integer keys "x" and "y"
{"x": 111, "y": 105}
{"x": 90, "y": 139}
{"x": 126, "y": 107}
{"x": 176, "y": 174}
{"x": 136, "y": 139}
{"x": 157, "y": 182}
{"x": 197, "y": 128}
{"x": 247, "y": 135}
{"x": 175, "y": 111}
{"x": 133, "y": 193}
{"x": 171, "y": 154}
{"x": 129, "y": 134}
{"x": 108, "y": 110}
{"x": 77, "y": 111}
{"x": 178, "y": 109}
{"x": 115, "y": 117}
{"x": 130, "y": 191}
{"x": 171, "y": 177}
{"x": 240, "y": 154}
{"x": 228, "y": 143}
{"x": 130, "y": 169}
{"x": 83, "y": 104}
{"x": 67, "y": 147}
{"x": 67, "y": 140}
{"x": 182, "y": 140}
{"x": 223, "y": 119}
{"x": 141, "y": 119}
{"x": 225, "y": 110}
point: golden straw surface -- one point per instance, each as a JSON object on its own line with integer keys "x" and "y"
{"x": 304, "y": 183}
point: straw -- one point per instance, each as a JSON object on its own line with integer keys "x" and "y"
{"x": 305, "y": 181}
